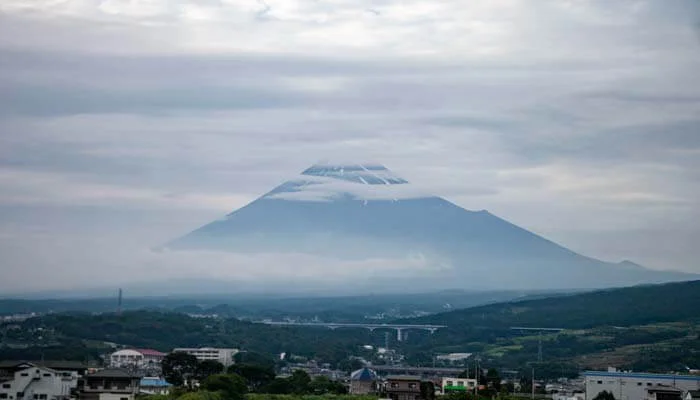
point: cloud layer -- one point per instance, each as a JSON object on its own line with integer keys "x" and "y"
{"x": 130, "y": 123}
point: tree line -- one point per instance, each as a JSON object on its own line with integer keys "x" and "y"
{"x": 210, "y": 380}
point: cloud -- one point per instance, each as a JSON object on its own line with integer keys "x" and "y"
{"x": 146, "y": 119}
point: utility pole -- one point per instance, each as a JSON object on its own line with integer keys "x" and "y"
{"x": 533, "y": 382}
{"x": 476, "y": 376}
{"x": 119, "y": 302}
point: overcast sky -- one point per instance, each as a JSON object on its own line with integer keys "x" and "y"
{"x": 124, "y": 124}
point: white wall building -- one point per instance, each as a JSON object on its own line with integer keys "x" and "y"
{"x": 139, "y": 359}
{"x": 224, "y": 356}
{"x": 636, "y": 385}
{"x": 38, "y": 383}
{"x": 453, "y": 357}
{"x": 457, "y": 384}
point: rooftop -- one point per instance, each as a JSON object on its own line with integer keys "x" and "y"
{"x": 154, "y": 382}
{"x": 643, "y": 375}
{"x": 403, "y": 378}
{"x": 150, "y": 352}
{"x": 364, "y": 374}
{"x": 52, "y": 364}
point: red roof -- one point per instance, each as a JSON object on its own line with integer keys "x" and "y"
{"x": 150, "y": 352}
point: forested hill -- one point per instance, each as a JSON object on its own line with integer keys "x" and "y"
{"x": 613, "y": 307}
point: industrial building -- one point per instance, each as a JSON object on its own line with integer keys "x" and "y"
{"x": 637, "y": 385}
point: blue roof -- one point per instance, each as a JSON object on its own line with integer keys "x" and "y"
{"x": 154, "y": 382}
{"x": 642, "y": 375}
{"x": 364, "y": 374}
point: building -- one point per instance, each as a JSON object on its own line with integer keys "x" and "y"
{"x": 363, "y": 381}
{"x": 110, "y": 384}
{"x": 224, "y": 356}
{"x": 8, "y": 368}
{"x": 403, "y": 387}
{"x": 664, "y": 393}
{"x": 637, "y": 385}
{"x": 137, "y": 359}
{"x": 38, "y": 383}
{"x": 692, "y": 395}
{"x": 457, "y": 385}
{"x": 572, "y": 396}
{"x": 154, "y": 385}
{"x": 453, "y": 357}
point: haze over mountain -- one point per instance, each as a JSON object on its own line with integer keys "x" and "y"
{"x": 356, "y": 212}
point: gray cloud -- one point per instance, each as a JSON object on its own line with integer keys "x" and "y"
{"x": 125, "y": 126}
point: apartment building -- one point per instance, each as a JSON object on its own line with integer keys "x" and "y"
{"x": 224, "y": 356}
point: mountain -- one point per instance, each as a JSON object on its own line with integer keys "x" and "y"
{"x": 354, "y": 213}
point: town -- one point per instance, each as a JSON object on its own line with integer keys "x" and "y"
{"x": 227, "y": 373}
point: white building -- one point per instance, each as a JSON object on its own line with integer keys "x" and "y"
{"x": 38, "y": 383}
{"x": 636, "y": 385}
{"x": 224, "y": 356}
{"x": 457, "y": 385}
{"x": 138, "y": 359}
{"x": 453, "y": 357}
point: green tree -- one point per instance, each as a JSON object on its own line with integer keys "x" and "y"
{"x": 427, "y": 390}
{"x": 299, "y": 382}
{"x": 256, "y": 376}
{"x": 604, "y": 395}
{"x": 200, "y": 395}
{"x": 349, "y": 365}
{"x": 155, "y": 397}
{"x": 323, "y": 385}
{"x": 253, "y": 358}
{"x": 277, "y": 386}
{"x": 207, "y": 368}
{"x": 179, "y": 367}
{"x": 493, "y": 379}
{"x": 230, "y": 386}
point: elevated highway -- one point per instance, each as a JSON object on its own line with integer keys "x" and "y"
{"x": 399, "y": 328}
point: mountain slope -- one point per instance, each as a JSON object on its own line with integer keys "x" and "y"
{"x": 360, "y": 212}
{"x": 678, "y": 301}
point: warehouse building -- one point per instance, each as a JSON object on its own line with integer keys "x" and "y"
{"x": 638, "y": 385}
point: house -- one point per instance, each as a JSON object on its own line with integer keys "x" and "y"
{"x": 363, "y": 381}
{"x": 38, "y": 383}
{"x": 110, "y": 384}
{"x": 403, "y": 387}
{"x": 154, "y": 385}
{"x": 73, "y": 368}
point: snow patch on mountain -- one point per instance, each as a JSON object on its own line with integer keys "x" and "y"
{"x": 329, "y": 182}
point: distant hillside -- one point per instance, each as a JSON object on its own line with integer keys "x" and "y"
{"x": 613, "y": 307}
